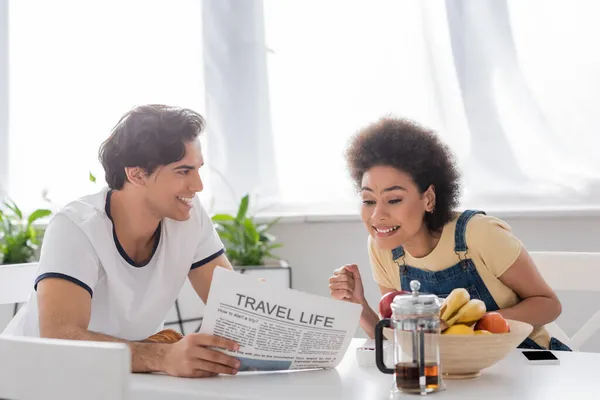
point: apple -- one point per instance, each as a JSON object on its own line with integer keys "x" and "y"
{"x": 385, "y": 304}
{"x": 493, "y": 322}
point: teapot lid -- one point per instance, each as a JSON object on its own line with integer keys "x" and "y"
{"x": 415, "y": 302}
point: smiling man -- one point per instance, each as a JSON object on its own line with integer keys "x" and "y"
{"x": 113, "y": 263}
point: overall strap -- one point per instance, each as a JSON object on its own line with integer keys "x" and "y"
{"x": 460, "y": 240}
{"x": 397, "y": 253}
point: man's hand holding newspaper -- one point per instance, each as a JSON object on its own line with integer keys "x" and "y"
{"x": 278, "y": 328}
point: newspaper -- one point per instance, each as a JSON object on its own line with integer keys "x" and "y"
{"x": 278, "y": 328}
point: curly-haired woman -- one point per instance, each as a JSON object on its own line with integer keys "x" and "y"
{"x": 410, "y": 189}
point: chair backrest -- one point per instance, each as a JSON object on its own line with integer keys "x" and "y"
{"x": 571, "y": 271}
{"x": 16, "y": 282}
{"x": 34, "y": 368}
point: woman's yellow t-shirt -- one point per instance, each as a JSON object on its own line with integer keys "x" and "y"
{"x": 492, "y": 248}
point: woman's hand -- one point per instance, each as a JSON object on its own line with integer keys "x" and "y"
{"x": 346, "y": 284}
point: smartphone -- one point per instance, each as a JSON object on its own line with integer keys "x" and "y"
{"x": 541, "y": 357}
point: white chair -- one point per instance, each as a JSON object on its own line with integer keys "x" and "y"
{"x": 571, "y": 271}
{"x": 16, "y": 282}
{"x": 34, "y": 368}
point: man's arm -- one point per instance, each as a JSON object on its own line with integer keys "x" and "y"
{"x": 201, "y": 277}
{"x": 64, "y": 313}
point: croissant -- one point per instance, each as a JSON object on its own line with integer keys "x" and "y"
{"x": 164, "y": 336}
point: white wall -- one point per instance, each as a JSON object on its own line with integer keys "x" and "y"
{"x": 315, "y": 249}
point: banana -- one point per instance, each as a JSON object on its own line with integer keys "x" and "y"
{"x": 459, "y": 329}
{"x": 453, "y": 303}
{"x": 469, "y": 313}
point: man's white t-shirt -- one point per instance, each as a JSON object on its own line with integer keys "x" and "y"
{"x": 128, "y": 301}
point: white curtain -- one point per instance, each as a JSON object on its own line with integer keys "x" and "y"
{"x": 335, "y": 66}
{"x": 518, "y": 84}
{"x": 239, "y": 151}
{"x": 511, "y": 85}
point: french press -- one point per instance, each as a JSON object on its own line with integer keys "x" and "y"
{"x": 415, "y": 325}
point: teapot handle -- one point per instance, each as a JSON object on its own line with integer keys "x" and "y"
{"x": 384, "y": 323}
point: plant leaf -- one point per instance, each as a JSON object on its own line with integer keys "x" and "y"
{"x": 266, "y": 237}
{"x": 92, "y": 178}
{"x": 14, "y": 208}
{"x": 18, "y": 248}
{"x": 251, "y": 231}
{"x": 243, "y": 209}
{"x": 246, "y": 242}
{"x": 222, "y": 218}
{"x": 32, "y": 233}
{"x": 226, "y": 236}
{"x": 233, "y": 256}
{"x": 234, "y": 231}
{"x": 37, "y": 214}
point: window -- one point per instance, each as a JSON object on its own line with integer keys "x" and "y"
{"x": 509, "y": 89}
{"x": 75, "y": 67}
{"x": 335, "y": 66}
{"x": 288, "y": 82}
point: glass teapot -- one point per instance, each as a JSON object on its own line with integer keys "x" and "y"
{"x": 415, "y": 326}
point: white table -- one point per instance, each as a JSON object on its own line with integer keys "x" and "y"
{"x": 511, "y": 378}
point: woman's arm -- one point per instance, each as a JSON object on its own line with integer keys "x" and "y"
{"x": 369, "y": 318}
{"x": 346, "y": 284}
{"x": 539, "y": 304}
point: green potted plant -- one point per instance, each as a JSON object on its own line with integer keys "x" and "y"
{"x": 247, "y": 243}
{"x": 19, "y": 237}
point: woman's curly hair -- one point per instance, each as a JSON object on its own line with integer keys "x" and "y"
{"x": 405, "y": 145}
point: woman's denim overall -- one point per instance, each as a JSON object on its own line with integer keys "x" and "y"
{"x": 461, "y": 275}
